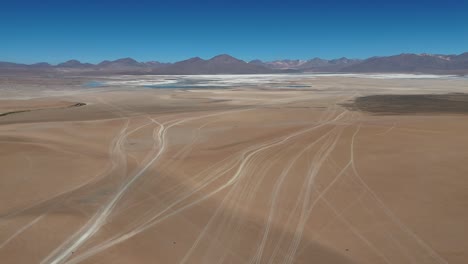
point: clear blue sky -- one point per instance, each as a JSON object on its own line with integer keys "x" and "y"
{"x": 91, "y": 31}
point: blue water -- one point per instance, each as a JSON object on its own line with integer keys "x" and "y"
{"x": 178, "y": 86}
{"x": 203, "y": 84}
{"x": 93, "y": 84}
{"x": 299, "y": 86}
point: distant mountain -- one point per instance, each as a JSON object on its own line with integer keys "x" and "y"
{"x": 460, "y": 62}
{"x": 413, "y": 63}
{"x": 41, "y": 65}
{"x": 74, "y": 64}
{"x": 462, "y": 57}
{"x": 226, "y": 64}
{"x": 11, "y": 65}
{"x": 125, "y": 63}
{"x": 321, "y": 65}
{"x": 280, "y": 64}
{"x": 156, "y": 64}
{"x": 221, "y": 64}
{"x": 313, "y": 65}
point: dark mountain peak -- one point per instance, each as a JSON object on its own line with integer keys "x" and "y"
{"x": 317, "y": 59}
{"x": 408, "y": 55}
{"x": 224, "y": 58}
{"x": 194, "y": 59}
{"x": 343, "y": 60}
{"x": 4, "y": 64}
{"x": 406, "y": 62}
{"x": 73, "y": 64}
{"x": 41, "y": 65}
{"x": 462, "y": 57}
{"x": 127, "y": 61}
{"x": 256, "y": 62}
{"x": 121, "y": 63}
{"x": 69, "y": 63}
{"x": 156, "y": 64}
{"x": 221, "y": 64}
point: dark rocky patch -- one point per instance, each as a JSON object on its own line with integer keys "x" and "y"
{"x": 78, "y": 105}
{"x": 453, "y": 103}
{"x": 14, "y": 112}
{"x": 39, "y": 109}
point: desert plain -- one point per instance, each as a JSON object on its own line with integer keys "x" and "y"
{"x": 234, "y": 169}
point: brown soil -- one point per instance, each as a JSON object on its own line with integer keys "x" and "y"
{"x": 238, "y": 176}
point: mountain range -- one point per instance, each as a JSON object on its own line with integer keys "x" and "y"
{"x": 226, "y": 64}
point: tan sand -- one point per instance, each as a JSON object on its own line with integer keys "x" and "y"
{"x": 244, "y": 175}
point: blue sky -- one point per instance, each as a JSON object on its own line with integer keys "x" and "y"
{"x": 91, "y": 31}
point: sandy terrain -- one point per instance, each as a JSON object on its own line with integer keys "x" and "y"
{"x": 244, "y": 174}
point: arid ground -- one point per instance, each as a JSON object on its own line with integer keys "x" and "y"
{"x": 289, "y": 169}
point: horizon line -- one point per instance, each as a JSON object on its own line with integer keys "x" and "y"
{"x": 221, "y": 54}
